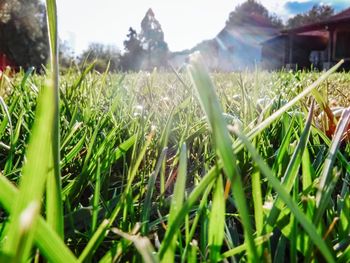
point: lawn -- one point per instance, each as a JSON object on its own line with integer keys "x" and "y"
{"x": 174, "y": 166}
{"x": 179, "y": 166}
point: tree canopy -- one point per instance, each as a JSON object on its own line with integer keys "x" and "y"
{"x": 146, "y": 50}
{"x": 103, "y": 56}
{"x": 316, "y": 14}
{"x": 134, "y": 53}
{"x": 152, "y": 41}
{"x": 252, "y": 12}
{"x": 23, "y": 32}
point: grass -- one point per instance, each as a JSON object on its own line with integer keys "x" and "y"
{"x": 173, "y": 167}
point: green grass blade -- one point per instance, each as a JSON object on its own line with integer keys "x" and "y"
{"x": 195, "y": 194}
{"x": 142, "y": 244}
{"x": 27, "y": 223}
{"x": 102, "y": 230}
{"x": 283, "y": 149}
{"x": 303, "y": 220}
{"x": 307, "y": 170}
{"x": 291, "y": 173}
{"x": 257, "y": 201}
{"x": 94, "y": 242}
{"x": 217, "y": 221}
{"x": 176, "y": 204}
{"x": 54, "y": 204}
{"x": 116, "y": 252}
{"x": 118, "y": 249}
{"x": 51, "y": 10}
{"x": 324, "y": 191}
{"x": 96, "y": 197}
{"x": 344, "y": 257}
{"x": 201, "y": 208}
{"x": 223, "y": 144}
{"x": 267, "y": 122}
{"x": 73, "y": 152}
{"x": 71, "y": 134}
{"x": 34, "y": 175}
{"x": 147, "y": 205}
{"x": 237, "y": 250}
{"x": 74, "y": 189}
{"x": 46, "y": 239}
{"x": 7, "y": 119}
{"x": 280, "y": 251}
{"x": 344, "y": 207}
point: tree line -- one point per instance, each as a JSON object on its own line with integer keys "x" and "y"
{"x": 23, "y": 37}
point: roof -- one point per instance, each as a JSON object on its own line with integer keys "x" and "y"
{"x": 341, "y": 17}
{"x": 344, "y": 14}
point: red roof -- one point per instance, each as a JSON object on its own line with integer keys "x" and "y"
{"x": 344, "y": 14}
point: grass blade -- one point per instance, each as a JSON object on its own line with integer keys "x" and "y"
{"x": 285, "y": 197}
{"x": 237, "y": 250}
{"x": 46, "y": 239}
{"x": 54, "y": 204}
{"x": 95, "y": 240}
{"x": 223, "y": 142}
{"x": 322, "y": 198}
{"x": 217, "y": 221}
{"x": 142, "y": 244}
{"x": 96, "y": 197}
{"x": 102, "y": 231}
{"x": 34, "y": 175}
{"x": 291, "y": 173}
{"x": 176, "y": 204}
{"x": 267, "y": 122}
{"x": 257, "y": 201}
{"x": 195, "y": 194}
{"x": 147, "y": 205}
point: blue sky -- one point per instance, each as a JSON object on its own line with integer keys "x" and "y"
{"x": 295, "y": 7}
{"x": 184, "y": 22}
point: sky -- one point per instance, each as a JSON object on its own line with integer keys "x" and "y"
{"x": 185, "y": 23}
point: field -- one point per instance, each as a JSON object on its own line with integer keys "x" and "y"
{"x": 174, "y": 166}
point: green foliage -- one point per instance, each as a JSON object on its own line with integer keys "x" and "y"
{"x": 134, "y": 54}
{"x": 147, "y": 50}
{"x": 152, "y": 41}
{"x": 105, "y": 58}
{"x": 316, "y": 14}
{"x": 252, "y": 12}
{"x": 66, "y": 56}
{"x": 23, "y": 35}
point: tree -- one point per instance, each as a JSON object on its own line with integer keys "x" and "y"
{"x": 66, "y": 55}
{"x": 316, "y": 14}
{"x": 23, "y": 32}
{"x": 152, "y": 41}
{"x": 134, "y": 53}
{"x": 252, "y": 12}
{"x": 102, "y": 56}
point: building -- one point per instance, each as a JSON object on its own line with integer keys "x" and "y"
{"x": 240, "y": 46}
{"x": 319, "y": 45}
{"x": 234, "y": 48}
